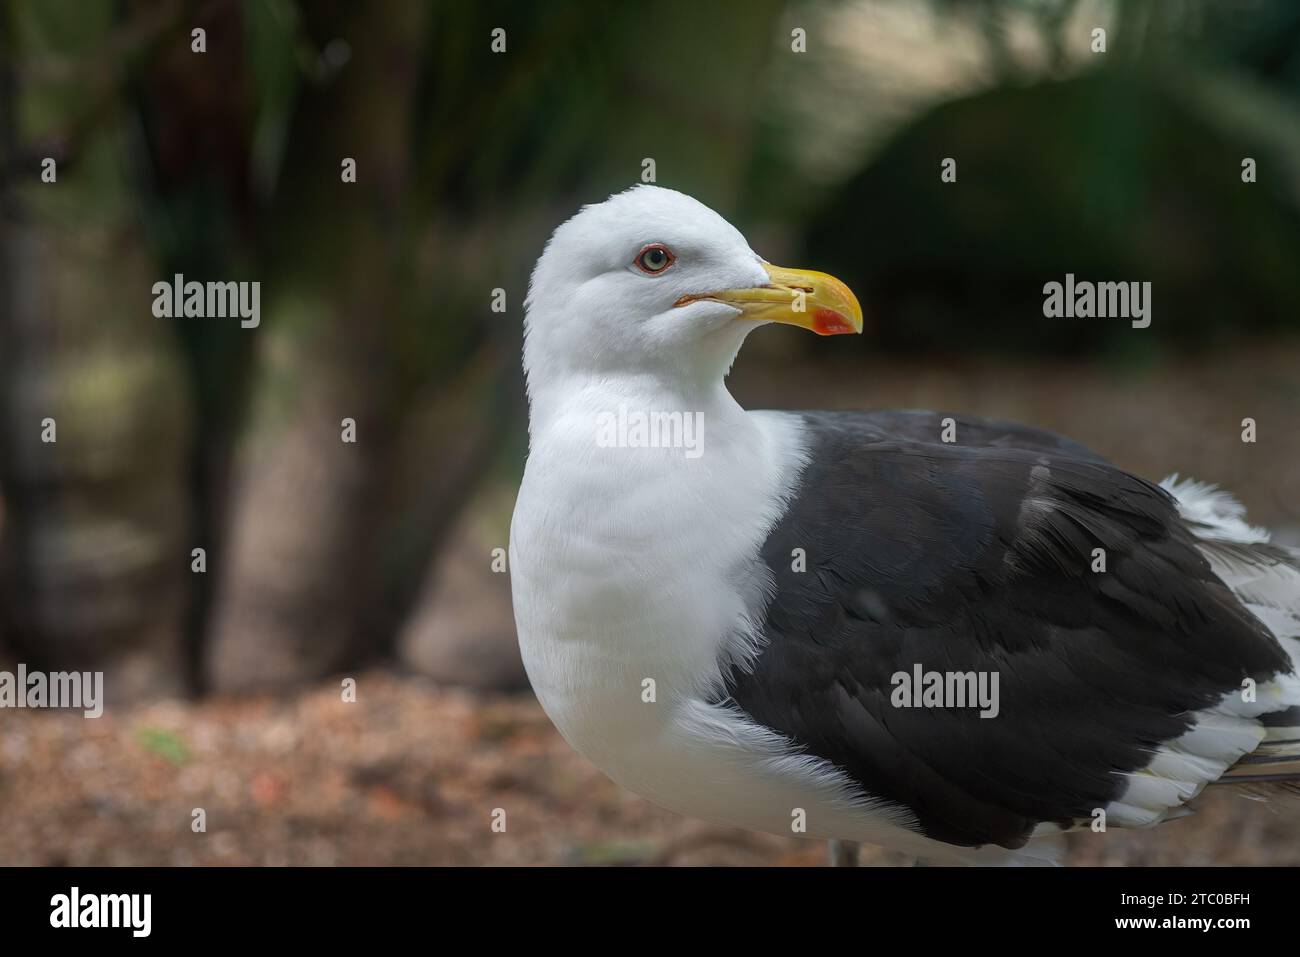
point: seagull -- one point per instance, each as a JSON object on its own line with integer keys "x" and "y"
{"x": 954, "y": 637}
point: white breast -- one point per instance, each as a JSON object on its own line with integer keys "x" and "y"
{"x": 636, "y": 582}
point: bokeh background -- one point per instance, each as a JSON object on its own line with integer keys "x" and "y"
{"x": 373, "y": 561}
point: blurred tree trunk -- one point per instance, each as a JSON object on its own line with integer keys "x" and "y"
{"x": 94, "y": 566}
{"x": 307, "y": 516}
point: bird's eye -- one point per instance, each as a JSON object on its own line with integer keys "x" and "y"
{"x": 654, "y": 259}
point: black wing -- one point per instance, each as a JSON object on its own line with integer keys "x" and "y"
{"x": 978, "y": 556}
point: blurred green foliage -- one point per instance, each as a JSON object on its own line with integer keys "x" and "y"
{"x": 168, "y": 746}
{"x": 1128, "y": 169}
{"x": 1117, "y": 175}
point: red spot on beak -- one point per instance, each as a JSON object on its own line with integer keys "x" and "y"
{"x": 828, "y": 322}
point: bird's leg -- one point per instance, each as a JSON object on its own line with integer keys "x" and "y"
{"x": 843, "y": 853}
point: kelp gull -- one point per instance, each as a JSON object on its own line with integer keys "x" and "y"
{"x": 724, "y": 632}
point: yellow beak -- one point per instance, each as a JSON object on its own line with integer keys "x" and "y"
{"x": 798, "y": 297}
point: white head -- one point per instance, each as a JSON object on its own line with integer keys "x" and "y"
{"x": 654, "y": 283}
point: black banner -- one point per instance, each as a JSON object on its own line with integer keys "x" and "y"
{"x": 333, "y": 906}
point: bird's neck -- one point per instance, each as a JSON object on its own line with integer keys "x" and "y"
{"x": 669, "y": 380}
{"x": 626, "y": 399}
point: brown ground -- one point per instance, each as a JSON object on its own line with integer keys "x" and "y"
{"x": 411, "y": 773}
